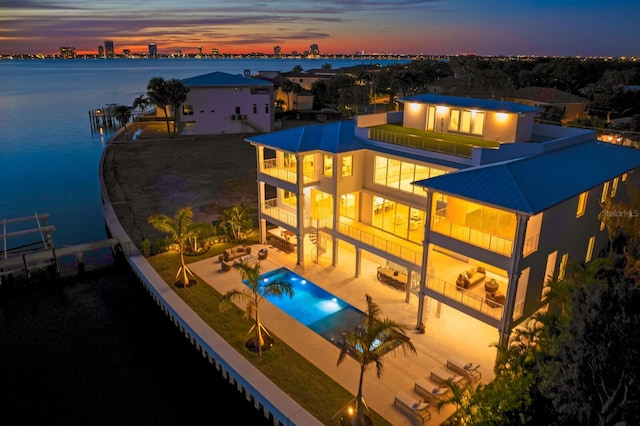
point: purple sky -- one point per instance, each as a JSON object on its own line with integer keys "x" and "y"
{"x": 489, "y": 27}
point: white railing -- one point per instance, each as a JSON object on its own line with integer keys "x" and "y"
{"x": 271, "y": 208}
{"x": 270, "y": 167}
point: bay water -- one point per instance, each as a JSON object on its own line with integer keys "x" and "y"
{"x": 93, "y": 350}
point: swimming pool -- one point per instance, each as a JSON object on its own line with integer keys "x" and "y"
{"x": 314, "y": 307}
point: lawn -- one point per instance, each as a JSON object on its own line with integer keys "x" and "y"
{"x": 299, "y": 378}
{"x": 441, "y": 142}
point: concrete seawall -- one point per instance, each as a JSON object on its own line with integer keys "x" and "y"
{"x": 266, "y": 397}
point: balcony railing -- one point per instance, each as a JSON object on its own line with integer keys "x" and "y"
{"x": 473, "y": 236}
{"x": 381, "y": 243}
{"x": 270, "y": 167}
{"x": 466, "y": 297}
{"x": 271, "y": 208}
{"x": 422, "y": 142}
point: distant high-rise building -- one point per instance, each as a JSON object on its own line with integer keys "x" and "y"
{"x": 277, "y": 51}
{"x": 214, "y": 52}
{"x": 101, "y": 51}
{"x": 153, "y": 50}
{"x": 314, "y": 50}
{"x": 67, "y": 52}
{"x": 108, "y": 49}
{"x": 199, "y": 50}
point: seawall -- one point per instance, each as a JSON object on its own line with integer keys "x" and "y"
{"x": 265, "y": 396}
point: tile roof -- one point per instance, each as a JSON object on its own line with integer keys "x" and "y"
{"x": 485, "y": 104}
{"x": 223, "y": 79}
{"x": 534, "y": 184}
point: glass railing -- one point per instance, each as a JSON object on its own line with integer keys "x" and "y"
{"x": 466, "y": 297}
{"x": 382, "y": 243}
{"x": 473, "y": 236}
{"x": 422, "y": 142}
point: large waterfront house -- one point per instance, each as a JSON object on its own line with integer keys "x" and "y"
{"x": 219, "y": 103}
{"x": 458, "y": 201}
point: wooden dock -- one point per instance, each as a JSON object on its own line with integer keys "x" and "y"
{"x": 25, "y": 259}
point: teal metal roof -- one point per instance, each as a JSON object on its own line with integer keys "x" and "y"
{"x": 223, "y": 79}
{"x": 534, "y": 184}
{"x": 472, "y": 103}
{"x": 333, "y": 137}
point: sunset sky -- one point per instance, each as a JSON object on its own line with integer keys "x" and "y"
{"x": 489, "y": 27}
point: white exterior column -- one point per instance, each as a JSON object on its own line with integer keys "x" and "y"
{"x": 425, "y": 255}
{"x": 514, "y": 276}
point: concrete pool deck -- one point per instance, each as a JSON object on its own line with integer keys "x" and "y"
{"x": 450, "y": 334}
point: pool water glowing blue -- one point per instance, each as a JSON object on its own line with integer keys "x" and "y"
{"x": 315, "y": 307}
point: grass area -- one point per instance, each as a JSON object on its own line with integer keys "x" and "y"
{"x": 432, "y": 141}
{"x": 305, "y": 383}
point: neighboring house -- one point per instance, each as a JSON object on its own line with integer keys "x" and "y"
{"x": 220, "y": 103}
{"x": 445, "y": 186}
{"x": 574, "y": 107}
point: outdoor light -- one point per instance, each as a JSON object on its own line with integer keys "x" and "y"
{"x": 501, "y": 116}
{"x": 441, "y": 109}
{"x": 303, "y": 281}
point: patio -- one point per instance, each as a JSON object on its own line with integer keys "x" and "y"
{"x": 450, "y": 334}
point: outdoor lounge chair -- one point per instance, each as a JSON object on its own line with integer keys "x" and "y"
{"x": 410, "y": 405}
{"x": 441, "y": 375}
{"x": 467, "y": 369}
{"x": 226, "y": 266}
{"x": 430, "y": 389}
{"x": 262, "y": 254}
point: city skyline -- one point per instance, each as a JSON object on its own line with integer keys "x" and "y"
{"x": 430, "y": 27}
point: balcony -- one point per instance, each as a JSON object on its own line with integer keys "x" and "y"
{"x": 473, "y": 236}
{"x": 283, "y": 215}
{"x": 270, "y": 167}
{"x": 382, "y": 241}
{"x": 445, "y": 143}
{"x": 466, "y": 297}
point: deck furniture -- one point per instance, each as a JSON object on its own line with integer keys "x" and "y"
{"x": 470, "y": 277}
{"x": 430, "y": 389}
{"x": 496, "y": 299}
{"x": 410, "y": 405}
{"x": 491, "y": 286}
{"x": 263, "y": 254}
{"x": 226, "y": 266}
{"x": 441, "y": 375}
{"x": 235, "y": 252}
{"x": 393, "y": 278}
{"x": 467, "y": 369}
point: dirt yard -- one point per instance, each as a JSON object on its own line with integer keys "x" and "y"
{"x": 155, "y": 174}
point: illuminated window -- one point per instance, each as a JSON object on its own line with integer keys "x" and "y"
{"x": 605, "y": 190}
{"x": 563, "y": 266}
{"x": 465, "y": 122}
{"x": 289, "y": 198}
{"x": 624, "y": 177}
{"x": 614, "y": 187}
{"x": 478, "y": 123}
{"x": 328, "y": 166}
{"x": 380, "y": 173}
{"x": 454, "y": 120}
{"x": 347, "y": 162}
{"x": 602, "y": 225}
{"x": 431, "y": 119}
{"x": 592, "y": 241}
{"x": 187, "y": 109}
{"x": 582, "y": 204}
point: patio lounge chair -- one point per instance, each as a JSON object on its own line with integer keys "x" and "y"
{"x": 430, "y": 389}
{"x": 413, "y": 406}
{"x": 441, "y": 375}
{"x": 262, "y": 254}
{"x": 467, "y": 369}
{"x": 226, "y": 266}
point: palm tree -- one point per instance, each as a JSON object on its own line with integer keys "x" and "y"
{"x": 177, "y": 95}
{"x": 256, "y": 292}
{"x": 158, "y": 94}
{"x": 141, "y": 102}
{"x": 238, "y": 221}
{"x": 287, "y": 87}
{"x": 180, "y": 230}
{"x": 122, "y": 113}
{"x": 368, "y": 343}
